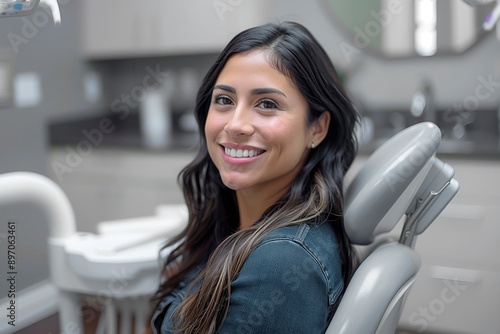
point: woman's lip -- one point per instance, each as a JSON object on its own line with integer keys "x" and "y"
{"x": 241, "y": 147}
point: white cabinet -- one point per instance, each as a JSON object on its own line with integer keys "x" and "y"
{"x": 458, "y": 287}
{"x": 131, "y": 28}
{"x": 118, "y": 184}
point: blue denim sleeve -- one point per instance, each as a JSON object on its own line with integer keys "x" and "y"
{"x": 281, "y": 288}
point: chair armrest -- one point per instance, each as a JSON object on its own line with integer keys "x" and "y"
{"x": 375, "y": 291}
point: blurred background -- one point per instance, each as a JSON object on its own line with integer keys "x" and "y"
{"x": 103, "y": 105}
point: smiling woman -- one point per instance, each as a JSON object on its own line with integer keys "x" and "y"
{"x": 265, "y": 193}
{"x": 256, "y": 109}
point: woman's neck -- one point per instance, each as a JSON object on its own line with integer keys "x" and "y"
{"x": 253, "y": 203}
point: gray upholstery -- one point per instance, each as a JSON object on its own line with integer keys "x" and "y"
{"x": 380, "y": 280}
{"x": 403, "y": 178}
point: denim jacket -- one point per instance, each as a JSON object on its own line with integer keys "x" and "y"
{"x": 290, "y": 283}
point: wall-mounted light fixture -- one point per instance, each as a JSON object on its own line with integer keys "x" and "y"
{"x": 13, "y": 8}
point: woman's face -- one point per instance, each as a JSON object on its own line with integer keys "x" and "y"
{"x": 256, "y": 128}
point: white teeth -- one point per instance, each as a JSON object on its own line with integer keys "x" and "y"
{"x": 241, "y": 153}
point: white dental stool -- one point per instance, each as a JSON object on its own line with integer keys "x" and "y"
{"x": 119, "y": 266}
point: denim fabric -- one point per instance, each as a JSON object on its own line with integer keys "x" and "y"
{"x": 290, "y": 283}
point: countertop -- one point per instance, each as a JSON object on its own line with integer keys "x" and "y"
{"x": 109, "y": 131}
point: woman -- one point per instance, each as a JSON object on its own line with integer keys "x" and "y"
{"x": 265, "y": 249}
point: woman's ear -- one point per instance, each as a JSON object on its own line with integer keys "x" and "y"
{"x": 319, "y": 129}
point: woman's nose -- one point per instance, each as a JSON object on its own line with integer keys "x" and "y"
{"x": 240, "y": 122}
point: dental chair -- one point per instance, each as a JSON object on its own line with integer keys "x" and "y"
{"x": 401, "y": 183}
{"x": 403, "y": 178}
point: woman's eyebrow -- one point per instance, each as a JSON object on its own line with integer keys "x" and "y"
{"x": 256, "y": 91}
{"x": 260, "y": 91}
{"x": 226, "y": 88}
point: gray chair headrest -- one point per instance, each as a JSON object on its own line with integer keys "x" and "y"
{"x": 381, "y": 192}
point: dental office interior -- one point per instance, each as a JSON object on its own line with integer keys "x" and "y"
{"x": 96, "y": 121}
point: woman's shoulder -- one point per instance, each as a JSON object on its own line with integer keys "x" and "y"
{"x": 317, "y": 237}
{"x": 309, "y": 246}
{"x": 285, "y": 269}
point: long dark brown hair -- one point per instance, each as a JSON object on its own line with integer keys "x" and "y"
{"x": 212, "y": 238}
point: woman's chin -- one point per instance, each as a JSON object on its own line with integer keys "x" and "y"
{"x": 235, "y": 183}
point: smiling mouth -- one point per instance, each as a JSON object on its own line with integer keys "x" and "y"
{"x": 233, "y": 153}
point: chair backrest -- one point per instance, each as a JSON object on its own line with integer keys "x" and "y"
{"x": 402, "y": 177}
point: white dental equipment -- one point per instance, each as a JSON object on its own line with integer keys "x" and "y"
{"x": 119, "y": 265}
{"x": 12, "y": 8}
{"x": 492, "y": 18}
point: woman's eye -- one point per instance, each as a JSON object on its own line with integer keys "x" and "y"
{"x": 267, "y": 104}
{"x": 222, "y": 99}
